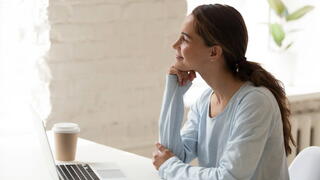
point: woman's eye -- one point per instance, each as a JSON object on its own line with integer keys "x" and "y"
{"x": 183, "y": 38}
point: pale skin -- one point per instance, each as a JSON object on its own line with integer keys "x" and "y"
{"x": 192, "y": 55}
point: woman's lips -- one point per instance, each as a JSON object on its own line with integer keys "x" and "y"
{"x": 179, "y": 57}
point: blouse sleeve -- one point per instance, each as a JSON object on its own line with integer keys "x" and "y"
{"x": 245, "y": 145}
{"x": 182, "y": 145}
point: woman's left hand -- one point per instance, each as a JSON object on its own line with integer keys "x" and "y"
{"x": 160, "y": 155}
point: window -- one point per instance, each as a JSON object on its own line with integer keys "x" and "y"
{"x": 24, "y": 39}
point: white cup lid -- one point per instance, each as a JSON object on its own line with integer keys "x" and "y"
{"x": 66, "y": 128}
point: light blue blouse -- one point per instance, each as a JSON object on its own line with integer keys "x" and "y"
{"x": 243, "y": 142}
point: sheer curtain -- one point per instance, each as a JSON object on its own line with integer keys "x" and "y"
{"x": 24, "y": 39}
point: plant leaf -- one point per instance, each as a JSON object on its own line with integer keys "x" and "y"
{"x": 288, "y": 46}
{"x": 299, "y": 13}
{"x": 294, "y": 30}
{"x": 277, "y": 33}
{"x": 278, "y": 7}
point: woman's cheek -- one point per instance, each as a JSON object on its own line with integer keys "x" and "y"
{"x": 186, "y": 51}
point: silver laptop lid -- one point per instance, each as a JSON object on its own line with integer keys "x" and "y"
{"x": 44, "y": 143}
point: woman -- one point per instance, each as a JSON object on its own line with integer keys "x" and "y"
{"x": 239, "y": 128}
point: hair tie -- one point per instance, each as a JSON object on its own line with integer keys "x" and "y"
{"x": 242, "y": 60}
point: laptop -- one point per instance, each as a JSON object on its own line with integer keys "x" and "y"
{"x": 72, "y": 171}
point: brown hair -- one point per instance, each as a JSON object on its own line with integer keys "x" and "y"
{"x": 224, "y": 26}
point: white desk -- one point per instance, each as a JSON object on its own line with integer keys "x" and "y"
{"x": 20, "y": 154}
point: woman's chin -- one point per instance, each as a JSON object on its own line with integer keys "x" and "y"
{"x": 180, "y": 66}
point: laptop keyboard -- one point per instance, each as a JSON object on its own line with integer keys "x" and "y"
{"x": 76, "y": 172}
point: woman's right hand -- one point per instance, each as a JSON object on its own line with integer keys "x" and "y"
{"x": 183, "y": 76}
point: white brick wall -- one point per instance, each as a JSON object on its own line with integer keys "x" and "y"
{"x": 107, "y": 62}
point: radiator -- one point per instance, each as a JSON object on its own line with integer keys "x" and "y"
{"x": 305, "y": 121}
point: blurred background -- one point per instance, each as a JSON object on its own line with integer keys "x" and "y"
{"x": 102, "y": 64}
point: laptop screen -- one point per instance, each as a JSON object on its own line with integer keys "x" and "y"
{"x": 44, "y": 143}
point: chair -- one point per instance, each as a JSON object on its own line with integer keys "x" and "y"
{"x": 306, "y": 166}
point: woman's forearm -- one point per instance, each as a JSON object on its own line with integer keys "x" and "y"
{"x": 171, "y": 116}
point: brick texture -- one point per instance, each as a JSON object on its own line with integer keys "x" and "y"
{"x": 107, "y": 63}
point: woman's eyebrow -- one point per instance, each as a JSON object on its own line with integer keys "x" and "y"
{"x": 183, "y": 33}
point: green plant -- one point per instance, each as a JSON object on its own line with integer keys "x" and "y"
{"x": 276, "y": 29}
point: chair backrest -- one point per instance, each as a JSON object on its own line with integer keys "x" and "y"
{"x": 306, "y": 165}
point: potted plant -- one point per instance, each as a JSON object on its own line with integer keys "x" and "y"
{"x": 277, "y": 29}
{"x": 282, "y": 59}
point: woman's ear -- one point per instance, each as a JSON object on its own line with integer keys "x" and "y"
{"x": 216, "y": 52}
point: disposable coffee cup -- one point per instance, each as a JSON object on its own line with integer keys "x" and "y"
{"x": 65, "y": 140}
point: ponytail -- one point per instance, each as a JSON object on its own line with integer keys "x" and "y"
{"x": 253, "y": 72}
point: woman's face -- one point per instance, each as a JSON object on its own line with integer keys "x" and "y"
{"x": 191, "y": 52}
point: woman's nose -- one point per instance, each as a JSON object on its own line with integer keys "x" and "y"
{"x": 175, "y": 44}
